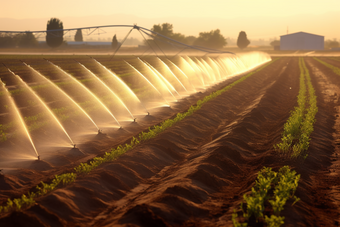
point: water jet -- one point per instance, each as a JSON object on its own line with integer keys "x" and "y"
{"x": 87, "y": 90}
{"x": 109, "y": 90}
{"x": 148, "y": 81}
{"x": 49, "y": 111}
{"x": 20, "y": 117}
{"x": 126, "y": 88}
{"x": 61, "y": 91}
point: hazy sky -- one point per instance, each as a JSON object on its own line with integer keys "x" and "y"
{"x": 263, "y": 18}
{"x": 20, "y": 9}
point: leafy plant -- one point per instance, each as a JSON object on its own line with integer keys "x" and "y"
{"x": 283, "y": 183}
{"x": 335, "y": 69}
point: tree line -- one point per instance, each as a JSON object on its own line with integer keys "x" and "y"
{"x": 212, "y": 39}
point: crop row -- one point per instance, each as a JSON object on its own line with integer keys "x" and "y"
{"x": 299, "y": 126}
{"x": 335, "y": 69}
{"x": 84, "y": 168}
{"x": 272, "y": 190}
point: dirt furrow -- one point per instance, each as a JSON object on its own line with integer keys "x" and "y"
{"x": 193, "y": 188}
{"x": 196, "y": 172}
{"x": 324, "y": 170}
{"x": 162, "y": 157}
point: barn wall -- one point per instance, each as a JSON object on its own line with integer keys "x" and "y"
{"x": 301, "y": 41}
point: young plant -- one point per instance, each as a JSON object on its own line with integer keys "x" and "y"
{"x": 283, "y": 183}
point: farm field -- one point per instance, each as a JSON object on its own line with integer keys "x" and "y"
{"x": 196, "y": 172}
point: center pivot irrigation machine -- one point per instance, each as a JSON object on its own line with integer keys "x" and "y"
{"x": 143, "y": 31}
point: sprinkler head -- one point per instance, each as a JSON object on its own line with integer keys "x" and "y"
{"x": 74, "y": 145}
{"x": 134, "y": 120}
{"x": 148, "y": 113}
{"x": 1, "y": 173}
{"x": 120, "y": 127}
{"x": 38, "y": 157}
{"x": 100, "y": 132}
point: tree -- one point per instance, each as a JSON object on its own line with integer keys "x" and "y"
{"x": 7, "y": 40}
{"x": 275, "y": 43}
{"x": 190, "y": 40}
{"x": 242, "y": 40}
{"x": 164, "y": 29}
{"x": 54, "y": 38}
{"x": 79, "y": 36}
{"x": 329, "y": 44}
{"x": 114, "y": 42}
{"x": 213, "y": 39}
{"x": 27, "y": 40}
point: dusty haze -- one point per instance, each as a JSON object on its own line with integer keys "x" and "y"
{"x": 261, "y": 20}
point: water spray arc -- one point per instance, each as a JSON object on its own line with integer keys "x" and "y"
{"x": 66, "y": 95}
{"x": 22, "y": 122}
{"x": 193, "y": 70}
{"x": 186, "y": 74}
{"x": 139, "y": 73}
{"x": 166, "y": 82}
{"x": 87, "y": 90}
{"x": 156, "y": 76}
{"x": 217, "y": 67}
{"x": 123, "y": 84}
{"x": 204, "y": 71}
{"x": 44, "y": 105}
{"x": 108, "y": 89}
{"x": 168, "y": 68}
{"x": 209, "y": 71}
{"x": 179, "y": 69}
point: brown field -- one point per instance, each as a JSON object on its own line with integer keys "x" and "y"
{"x": 196, "y": 172}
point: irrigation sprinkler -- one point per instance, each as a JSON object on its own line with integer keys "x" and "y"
{"x": 148, "y": 113}
{"x": 1, "y": 173}
{"x": 134, "y": 120}
{"x": 39, "y": 158}
{"x": 74, "y": 146}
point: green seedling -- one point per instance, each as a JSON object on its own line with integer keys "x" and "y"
{"x": 283, "y": 184}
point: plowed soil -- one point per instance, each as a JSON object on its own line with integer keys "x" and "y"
{"x": 196, "y": 172}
